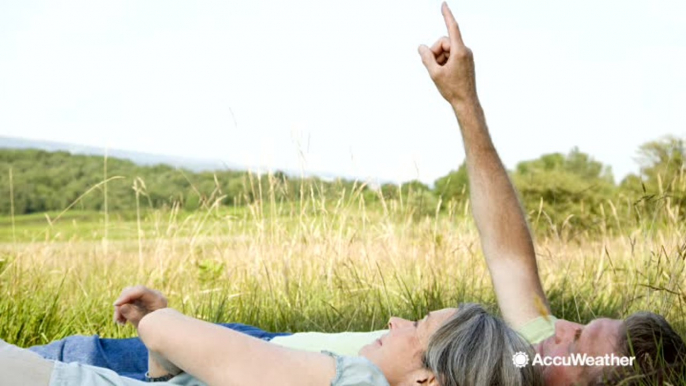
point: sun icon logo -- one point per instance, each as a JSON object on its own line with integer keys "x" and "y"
{"x": 520, "y": 359}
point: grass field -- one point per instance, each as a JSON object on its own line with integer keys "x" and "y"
{"x": 326, "y": 266}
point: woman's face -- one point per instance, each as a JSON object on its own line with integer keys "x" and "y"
{"x": 398, "y": 354}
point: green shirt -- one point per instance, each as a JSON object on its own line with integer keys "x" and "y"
{"x": 341, "y": 343}
{"x": 538, "y": 329}
{"x": 350, "y": 343}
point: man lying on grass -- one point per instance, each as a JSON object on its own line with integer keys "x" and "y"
{"x": 509, "y": 251}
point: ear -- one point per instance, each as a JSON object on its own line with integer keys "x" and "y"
{"x": 424, "y": 377}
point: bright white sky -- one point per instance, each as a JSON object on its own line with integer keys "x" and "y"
{"x": 339, "y": 86}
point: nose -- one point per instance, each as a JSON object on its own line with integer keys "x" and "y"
{"x": 564, "y": 331}
{"x": 394, "y": 323}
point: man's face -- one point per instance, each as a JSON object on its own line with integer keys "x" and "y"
{"x": 597, "y": 338}
{"x": 398, "y": 353}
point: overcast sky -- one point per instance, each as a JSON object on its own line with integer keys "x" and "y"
{"x": 339, "y": 86}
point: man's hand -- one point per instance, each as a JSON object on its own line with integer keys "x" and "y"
{"x": 136, "y": 302}
{"x": 451, "y": 64}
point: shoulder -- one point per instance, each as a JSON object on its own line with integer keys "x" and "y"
{"x": 356, "y": 371}
{"x": 538, "y": 329}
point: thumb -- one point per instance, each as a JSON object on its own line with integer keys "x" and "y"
{"x": 428, "y": 59}
{"x": 126, "y": 311}
{"x": 132, "y": 314}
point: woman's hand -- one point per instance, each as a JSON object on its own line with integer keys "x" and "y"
{"x": 136, "y": 302}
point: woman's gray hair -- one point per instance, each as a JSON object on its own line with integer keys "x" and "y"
{"x": 474, "y": 348}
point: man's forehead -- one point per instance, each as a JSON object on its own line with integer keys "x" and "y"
{"x": 604, "y": 326}
{"x": 602, "y": 334}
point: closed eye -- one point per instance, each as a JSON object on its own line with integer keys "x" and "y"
{"x": 577, "y": 336}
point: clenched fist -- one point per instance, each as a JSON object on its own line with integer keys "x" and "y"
{"x": 451, "y": 64}
{"x": 136, "y": 302}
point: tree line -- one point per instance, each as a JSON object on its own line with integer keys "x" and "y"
{"x": 557, "y": 189}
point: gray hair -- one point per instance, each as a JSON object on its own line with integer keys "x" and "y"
{"x": 474, "y": 348}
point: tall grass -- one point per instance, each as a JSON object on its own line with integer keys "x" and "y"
{"x": 319, "y": 264}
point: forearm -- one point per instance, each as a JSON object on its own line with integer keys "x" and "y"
{"x": 497, "y": 212}
{"x": 504, "y": 233}
{"x": 159, "y": 366}
{"x": 220, "y": 356}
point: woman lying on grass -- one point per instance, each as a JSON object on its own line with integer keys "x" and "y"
{"x": 449, "y": 347}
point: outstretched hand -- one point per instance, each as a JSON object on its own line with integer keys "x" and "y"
{"x": 136, "y": 302}
{"x": 451, "y": 64}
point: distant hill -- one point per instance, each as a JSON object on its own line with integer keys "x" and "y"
{"x": 148, "y": 159}
{"x": 44, "y": 176}
{"x": 48, "y": 175}
{"x": 143, "y": 159}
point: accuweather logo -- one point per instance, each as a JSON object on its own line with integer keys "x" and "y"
{"x": 520, "y": 359}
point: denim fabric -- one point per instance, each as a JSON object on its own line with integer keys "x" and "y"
{"x": 127, "y": 357}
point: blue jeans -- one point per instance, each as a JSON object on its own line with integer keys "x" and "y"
{"x": 127, "y": 357}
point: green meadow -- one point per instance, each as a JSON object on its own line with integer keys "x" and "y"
{"x": 317, "y": 264}
{"x": 296, "y": 254}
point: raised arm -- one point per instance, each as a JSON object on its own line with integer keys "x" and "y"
{"x": 220, "y": 356}
{"x": 505, "y": 236}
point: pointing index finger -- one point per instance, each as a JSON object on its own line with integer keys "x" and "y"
{"x": 453, "y": 28}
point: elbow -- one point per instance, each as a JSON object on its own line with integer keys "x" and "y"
{"x": 149, "y": 330}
